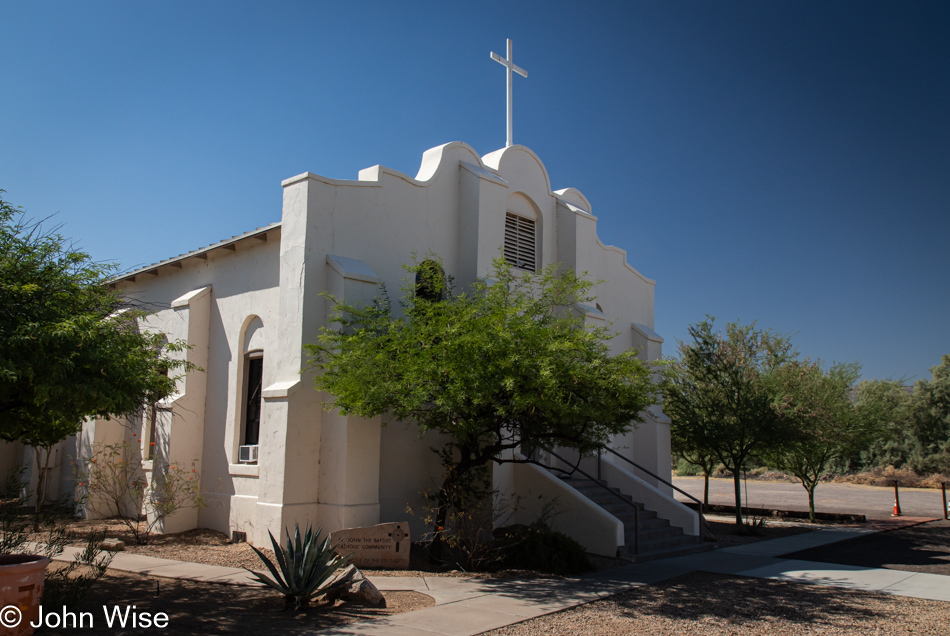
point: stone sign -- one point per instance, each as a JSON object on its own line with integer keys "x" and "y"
{"x": 382, "y": 546}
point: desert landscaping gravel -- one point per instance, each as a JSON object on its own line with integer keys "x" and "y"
{"x": 921, "y": 548}
{"x": 214, "y": 608}
{"x": 698, "y": 603}
{"x": 716, "y": 605}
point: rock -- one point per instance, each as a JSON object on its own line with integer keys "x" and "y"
{"x": 356, "y": 588}
{"x": 113, "y": 545}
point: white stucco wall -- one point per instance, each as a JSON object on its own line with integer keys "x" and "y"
{"x": 346, "y": 237}
{"x": 241, "y": 286}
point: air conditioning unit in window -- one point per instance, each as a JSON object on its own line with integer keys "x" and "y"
{"x": 247, "y": 454}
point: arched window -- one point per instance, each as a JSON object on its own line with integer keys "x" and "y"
{"x": 253, "y": 384}
{"x": 251, "y": 377}
{"x": 150, "y": 421}
{"x": 430, "y": 281}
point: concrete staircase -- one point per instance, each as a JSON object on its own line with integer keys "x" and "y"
{"x": 657, "y": 540}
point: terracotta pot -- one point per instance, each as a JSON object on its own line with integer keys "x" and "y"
{"x": 21, "y": 590}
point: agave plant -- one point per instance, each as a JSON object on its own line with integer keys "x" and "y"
{"x": 305, "y": 566}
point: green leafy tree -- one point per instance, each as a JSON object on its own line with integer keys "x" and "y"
{"x": 917, "y": 433}
{"x": 820, "y": 423}
{"x": 896, "y": 444}
{"x": 71, "y": 347}
{"x": 716, "y": 395}
{"x": 706, "y": 461}
{"x": 507, "y": 363}
{"x": 930, "y": 409}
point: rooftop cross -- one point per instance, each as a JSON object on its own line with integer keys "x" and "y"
{"x": 511, "y": 66}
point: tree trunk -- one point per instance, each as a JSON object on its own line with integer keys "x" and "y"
{"x": 441, "y": 516}
{"x": 811, "y": 500}
{"x": 41, "y": 472}
{"x": 706, "y": 488}
{"x": 738, "y": 484}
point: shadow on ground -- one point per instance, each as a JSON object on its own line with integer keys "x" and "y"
{"x": 208, "y": 608}
{"x": 703, "y": 596}
{"x": 721, "y": 605}
{"x": 921, "y": 548}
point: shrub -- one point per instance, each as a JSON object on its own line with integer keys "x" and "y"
{"x": 887, "y": 475}
{"x": 753, "y": 527}
{"x": 116, "y": 484}
{"x": 303, "y": 567}
{"x": 65, "y": 585}
{"x": 685, "y": 469}
{"x": 542, "y": 549}
{"x": 473, "y": 512}
{"x": 68, "y": 585}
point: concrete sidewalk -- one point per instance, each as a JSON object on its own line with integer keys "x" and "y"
{"x": 465, "y": 607}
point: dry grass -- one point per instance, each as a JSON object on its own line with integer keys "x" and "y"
{"x": 887, "y": 476}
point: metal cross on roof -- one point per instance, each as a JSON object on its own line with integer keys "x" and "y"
{"x": 511, "y": 66}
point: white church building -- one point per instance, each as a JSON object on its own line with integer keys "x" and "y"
{"x": 268, "y": 453}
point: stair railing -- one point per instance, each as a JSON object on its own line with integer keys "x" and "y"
{"x": 576, "y": 468}
{"x": 705, "y": 529}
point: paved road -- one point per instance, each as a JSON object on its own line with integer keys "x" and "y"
{"x": 872, "y": 501}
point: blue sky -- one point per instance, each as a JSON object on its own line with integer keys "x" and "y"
{"x": 786, "y": 162}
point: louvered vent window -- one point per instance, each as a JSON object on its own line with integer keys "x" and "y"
{"x": 520, "y": 242}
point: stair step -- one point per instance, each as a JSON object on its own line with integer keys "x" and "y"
{"x": 656, "y": 537}
{"x": 669, "y": 532}
{"x": 645, "y": 517}
{"x": 667, "y": 553}
{"x": 620, "y": 508}
{"x": 651, "y": 544}
{"x": 654, "y": 545}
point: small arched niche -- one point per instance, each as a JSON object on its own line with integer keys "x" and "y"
{"x": 430, "y": 281}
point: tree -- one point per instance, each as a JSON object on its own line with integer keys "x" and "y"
{"x": 820, "y": 423}
{"x": 716, "y": 395}
{"x": 917, "y": 435}
{"x": 930, "y": 408}
{"x": 895, "y": 443}
{"x": 507, "y": 363}
{"x": 71, "y": 347}
{"x": 695, "y": 455}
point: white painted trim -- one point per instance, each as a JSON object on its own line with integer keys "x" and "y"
{"x": 646, "y": 332}
{"x": 614, "y": 248}
{"x": 280, "y": 389}
{"x": 567, "y": 194}
{"x": 579, "y": 211}
{"x": 169, "y": 402}
{"x": 244, "y": 470}
{"x": 195, "y": 294}
{"x": 352, "y": 269}
{"x": 493, "y": 160}
{"x": 590, "y": 312}
{"x": 482, "y": 173}
{"x": 202, "y": 252}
